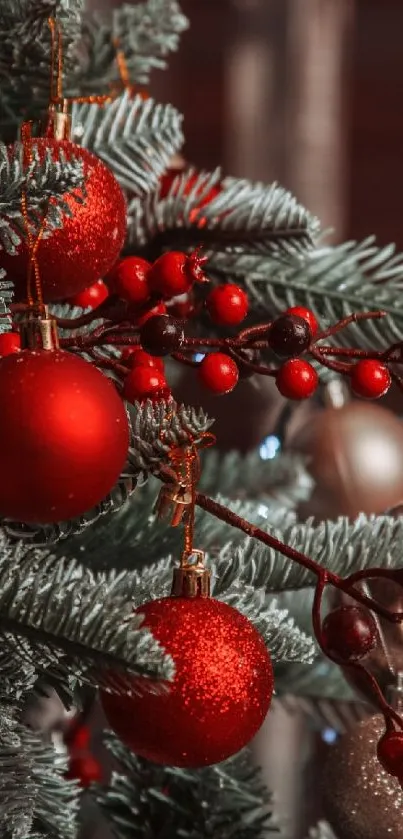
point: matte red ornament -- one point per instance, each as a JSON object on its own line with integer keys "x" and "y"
{"x": 218, "y": 372}
{"x": 227, "y": 305}
{"x": 129, "y": 279}
{"x": 221, "y": 691}
{"x": 83, "y": 250}
{"x": 297, "y": 379}
{"x": 91, "y": 297}
{"x": 390, "y": 752}
{"x": 143, "y": 382}
{"x": 174, "y": 273}
{"x": 10, "y": 342}
{"x": 370, "y": 379}
{"x": 85, "y": 769}
{"x": 306, "y": 314}
{"x": 63, "y": 436}
{"x": 349, "y": 632}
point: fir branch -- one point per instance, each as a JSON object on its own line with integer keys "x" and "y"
{"x": 333, "y": 282}
{"x": 154, "y": 801}
{"x": 234, "y": 474}
{"x": 74, "y": 619}
{"x": 135, "y": 138}
{"x": 260, "y": 219}
{"x": 145, "y": 33}
{"x": 33, "y": 792}
{"x": 45, "y": 182}
{"x": 338, "y": 714}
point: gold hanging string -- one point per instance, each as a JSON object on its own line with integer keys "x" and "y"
{"x": 32, "y": 243}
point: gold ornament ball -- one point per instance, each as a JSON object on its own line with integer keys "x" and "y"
{"x": 355, "y": 455}
{"x": 361, "y": 801}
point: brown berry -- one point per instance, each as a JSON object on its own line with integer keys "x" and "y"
{"x": 161, "y": 335}
{"x": 289, "y": 336}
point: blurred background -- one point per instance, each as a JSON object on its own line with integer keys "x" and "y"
{"x": 308, "y": 93}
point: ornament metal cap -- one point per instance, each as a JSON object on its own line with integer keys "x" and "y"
{"x": 38, "y": 331}
{"x": 192, "y": 578}
{"x": 59, "y": 121}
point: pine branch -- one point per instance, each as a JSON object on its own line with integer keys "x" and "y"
{"x": 260, "y": 219}
{"x": 33, "y": 793}
{"x": 135, "y": 138}
{"x": 45, "y": 183}
{"x": 145, "y": 32}
{"x": 333, "y": 282}
{"x": 154, "y": 801}
{"x": 73, "y": 619}
{"x": 251, "y": 476}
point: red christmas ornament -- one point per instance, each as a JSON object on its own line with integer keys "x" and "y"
{"x": 218, "y": 372}
{"x": 227, "y": 305}
{"x": 85, "y": 769}
{"x": 76, "y": 255}
{"x": 174, "y": 273}
{"x": 390, "y": 752}
{"x": 297, "y": 379}
{"x": 143, "y": 383}
{"x": 349, "y": 632}
{"x": 220, "y": 694}
{"x": 63, "y": 436}
{"x": 91, "y": 297}
{"x": 306, "y": 314}
{"x": 370, "y": 379}
{"x": 10, "y": 342}
{"x": 77, "y": 737}
{"x": 129, "y": 279}
{"x": 139, "y": 358}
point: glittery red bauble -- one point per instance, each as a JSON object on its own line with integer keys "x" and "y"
{"x": 79, "y": 253}
{"x": 63, "y": 436}
{"x": 220, "y": 694}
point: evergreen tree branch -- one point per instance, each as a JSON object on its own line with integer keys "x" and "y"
{"x": 154, "y": 801}
{"x": 73, "y": 619}
{"x": 135, "y": 138}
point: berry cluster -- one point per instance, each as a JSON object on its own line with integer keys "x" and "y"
{"x": 83, "y": 766}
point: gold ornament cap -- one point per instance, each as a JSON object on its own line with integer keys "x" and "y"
{"x": 192, "y": 578}
{"x": 38, "y": 330}
{"x": 59, "y": 121}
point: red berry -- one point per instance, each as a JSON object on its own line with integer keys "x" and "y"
{"x": 143, "y": 383}
{"x": 91, "y": 297}
{"x": 174, "y": 273}
{"x": 390, "y": 752}
{"x": 159, "y": 309}
{"x": 77, "y": 737}
{"x": 10, "y": 342}
{"x": 370, "y": 379}
{"x": 85, "y": 769}
{"x": 218, "y": 372}
{"x": 297, "y": 379}
{"x": 129, "y": 279}
{"x": 306, "y": 314}
{"x": 139, "y": 358}
{"x": 227, "y": 305}
{"x": 349, "y": 632}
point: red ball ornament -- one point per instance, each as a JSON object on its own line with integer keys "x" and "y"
{"x": 63, "y": 436}
{"x": 218, "y": 372}
{"x": 174, "y": 273}
{"x": 143, "y": 383}
{"x": 370, "y": 379}
{"x": 220, "y": 694}
{"x": 91, "y": 297}
{"x": 227, "y": 305}
{"x": 10, "y": 342}
{"x": 390, "y": 752}
{"x": 297, "y": 379}
{"x": 76, "y": 255}
{"x": 85, "y": 769}
{"x": 349, "y": 632}
{"x": 306, "y": 314}
{"x": 129, "y": 279}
